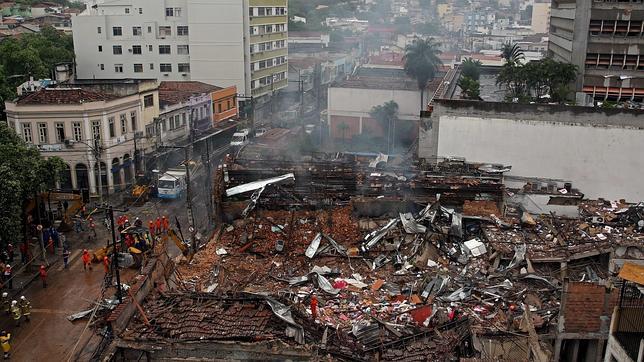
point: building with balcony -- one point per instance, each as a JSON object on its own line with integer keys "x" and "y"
{"x": 604, "y": 39}
{"x": 93, "y": 132}
{"x": 626, "y": 339}
{"x": 234, "y": 43}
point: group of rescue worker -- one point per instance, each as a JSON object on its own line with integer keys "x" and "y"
{"x": 18, "y": 309}
{"x": 161, "y": 225}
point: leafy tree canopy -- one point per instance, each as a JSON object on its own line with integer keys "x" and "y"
{"x": 471, "y": 68}
{"x": 22, "y": 173}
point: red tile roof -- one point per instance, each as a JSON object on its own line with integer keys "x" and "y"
{"x": 63, "y": 96}
{"x": 180, "y": 91}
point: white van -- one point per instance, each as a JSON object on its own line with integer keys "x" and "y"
{"x": 240, "y": 138}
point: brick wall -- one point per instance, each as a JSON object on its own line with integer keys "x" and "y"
{"x": 584, "y": 304}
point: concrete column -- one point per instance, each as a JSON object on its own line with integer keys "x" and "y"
{"x": 92, "y": 178}
{"x": 557, "y": 349}
{"x": 72, "y": 171}
{"x": 110, "y": 177}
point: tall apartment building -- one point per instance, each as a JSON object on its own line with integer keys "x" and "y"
{"x": 540, "y": 16}
{"x": 605, "y": 40}
{"x": 240, "y": 43}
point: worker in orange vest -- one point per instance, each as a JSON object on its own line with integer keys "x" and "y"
{"x": 166, "y": 224}
{"x": 106, "y": 264}
{"x": 151, "y": 227}
{"x": 314, "y": 306}
{"x": 86, "y": 260}
{"x": 43, "y": 276}
{"x": 158, "y": 225}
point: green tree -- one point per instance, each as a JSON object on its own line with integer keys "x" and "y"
{"x": 544, "y": 80}
{"x": 471, "y": 68}
{"x": 421, "y": 63}
{"x": 387, "y": 115}
{"x": 470, "y": 88}
{"x": 22, "y": 173}
{"x": 512, "y": 52}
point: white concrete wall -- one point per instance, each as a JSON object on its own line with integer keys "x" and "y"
{"x": 541, "y": 17}
{"x": 602, "y": 161}
{"x": 217, "y": 42}
{"x": 357, "y": 102}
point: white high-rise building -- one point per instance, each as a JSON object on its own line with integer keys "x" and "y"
{"x": 220, "y": 42}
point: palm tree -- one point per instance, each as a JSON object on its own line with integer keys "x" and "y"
{"x": 512, "y": 52}
{"x": 387, "y": 115}
{"x": 421, "y": 63}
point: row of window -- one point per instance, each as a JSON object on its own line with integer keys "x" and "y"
{"x": 178, "y": 120}
{"x": 267, "y": 29}
{"x": 183, "y": 49}
{"x": 273, "y": 62}
{"x": 173, "y": 12}
{"x": 163, "y": 67}
{"x": 266, "y": 46}
{"x": 270, "y": 79}
{"x": 267, "y": 11}
{"x": 77, "y": 129}
{"x": 165, "y": 30}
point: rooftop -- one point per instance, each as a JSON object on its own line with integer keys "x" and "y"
{"x": 174, "y": 92}
{"x": 63, "y": 96}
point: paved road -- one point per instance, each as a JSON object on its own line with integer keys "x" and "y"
{"x": 50, "y": 336}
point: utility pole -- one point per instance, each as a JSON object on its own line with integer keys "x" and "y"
{"x": 191, "y": 218}
{"x": 115, "y": 259}
{"x": 97, "y": 158}
{"x": 209, "y": 181}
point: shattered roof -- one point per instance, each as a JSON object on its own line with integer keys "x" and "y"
{"x": 173, "y": 92}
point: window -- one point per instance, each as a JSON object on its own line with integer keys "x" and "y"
{"x": 138, "y": 68}
{"x": 111, "y": 128}
{"x": 123, "y": 119}
{"x": 148, "y": 101}
{"x": 219, "y": 107}
{"x": 149, "y": 130}
{"x": 165, "y": 67}
{"x": 183, "y": 49}
{"x": 261, "y": 11}
{"x": 96, "y": 129}
{"x": 136, "y": 49}
{"x": 77, "y": 129}
{"x": 140, "y": 10}
{"x": 149, "y": 29}
{"x": 182, "y": 30}
{"x": 269, "y": 11}
{"x": 42, "y": 133}
{"x": 60, "y": 132}
{"x": 169, "y": 11}
{"x": 118, "y": 68}
{"x": 164, "y": 49}
{"x": 150, "y": 48}
{"x": 151, "y": 66}
{"x": 177, "y": 12}
{"x": 26, "y": 132}
{"x": 183, "y": 67}
{"x": 136, "y": 31}
{"x": 183, "y": 119}
{"x": 165, "y": 31}
{"x": 127, "y": 10}
{"x": 99, "y": 30}
{"x": 117, "y": 31}
{"x": 133, "y": 120}
{"x": 100, "y": 48}
{"x": 117, "y": 50}
{"x": 250, "y": 11}
{"x": 102, "y": 66}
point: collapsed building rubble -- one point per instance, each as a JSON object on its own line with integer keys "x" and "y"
{"x": 413, "y": 262}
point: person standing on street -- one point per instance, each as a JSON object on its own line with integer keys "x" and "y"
{"x": 92, "y": 226}
{"x": 151, "y": 227}
{"x": 166, "y": 224}
{"x": 158, "y": 225}
{"x": 25, "y": 308}
{"x": 23, "y": 252}
{"x": 66, "y": 254}
{"x": 15, "y": 312}
{"x": 43, "y": 276}
{"x": 86, "y": 260}
{"x": 4, "y": 342}
{"x": 106, "y": 264}
{"x": 8, "y": 280}
{"x": 10, "y": 252}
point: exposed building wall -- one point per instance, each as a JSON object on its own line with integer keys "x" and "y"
{"x": 598, "y": 150}
{"x": 540, "y": 17}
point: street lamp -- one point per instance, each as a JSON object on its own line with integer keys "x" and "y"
{"x": 96, "y": 150}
